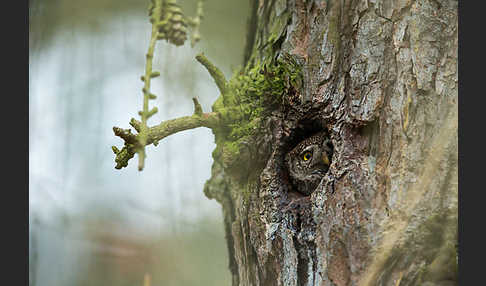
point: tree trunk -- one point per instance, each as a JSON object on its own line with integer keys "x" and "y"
{"x": 381, "y": 77}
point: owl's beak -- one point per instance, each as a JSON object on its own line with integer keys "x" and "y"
{"x": 325, "y": 159}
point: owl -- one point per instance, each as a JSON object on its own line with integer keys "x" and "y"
{"x": 309, "y": 161}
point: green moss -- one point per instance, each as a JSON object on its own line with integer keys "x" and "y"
{"x": 246, "y": 191}
{"x": 123, "y": 155}
{"x": 251, "y": 94}
{"x": 231, "y": 150}
{"x": 261, "y": 88}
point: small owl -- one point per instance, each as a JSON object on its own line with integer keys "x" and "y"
{"x": 309, "y": 161}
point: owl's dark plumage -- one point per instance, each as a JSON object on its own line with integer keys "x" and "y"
{"x": 309, "y": 161}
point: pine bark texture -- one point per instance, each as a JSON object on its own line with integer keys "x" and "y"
{"x": 381, "y": 77}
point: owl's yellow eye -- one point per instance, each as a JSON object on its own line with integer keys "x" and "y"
{"x": 307, "y": 155}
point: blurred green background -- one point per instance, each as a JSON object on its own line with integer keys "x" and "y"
{"x": 89, "y": 223}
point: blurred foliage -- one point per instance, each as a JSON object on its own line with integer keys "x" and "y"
{"x": 190, "y": 258}
{"x": 48, "y": 17}
{"x": 223, "y": 28}
{"x": 73, "y": 242}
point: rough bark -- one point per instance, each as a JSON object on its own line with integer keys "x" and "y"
{"x": 381, "y": 77}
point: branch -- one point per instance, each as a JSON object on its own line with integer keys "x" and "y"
{"x": 215, "y": 73}
{"x": 146, "y": 136}
{"x": 156, "y": 133}
{"x": 128, "y": 150}
{"x": 168, "y": 22}
{"x": 145, "y": 114}
{"x": 169, "y": 127}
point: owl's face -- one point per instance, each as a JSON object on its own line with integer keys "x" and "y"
{"x": 309, "y": 161}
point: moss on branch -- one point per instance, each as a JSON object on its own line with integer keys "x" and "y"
{"x": 169, "y": 127}
{"x": 215, "y": 73}
{"x": 158, "y": 132}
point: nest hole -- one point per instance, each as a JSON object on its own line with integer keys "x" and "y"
{"x": 305, "y": 129}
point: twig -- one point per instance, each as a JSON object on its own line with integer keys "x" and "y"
{"x": 215, "y": 73}
{"x": 145, "y": 113}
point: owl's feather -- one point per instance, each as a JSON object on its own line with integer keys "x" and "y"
{"x": 309, "y": 161}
